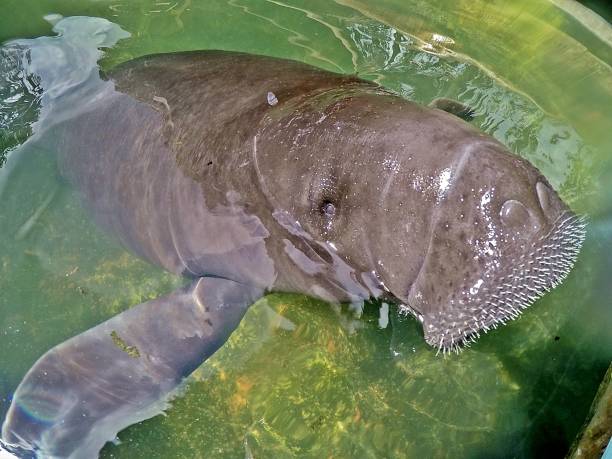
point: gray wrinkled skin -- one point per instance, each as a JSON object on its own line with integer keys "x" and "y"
{"x": 338, "y": 190}
{"x": 271, "y": 175}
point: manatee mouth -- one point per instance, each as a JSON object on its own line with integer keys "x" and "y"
{"x": 524, "y": 280}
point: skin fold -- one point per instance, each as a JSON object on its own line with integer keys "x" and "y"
{"x": 248, "y": 174}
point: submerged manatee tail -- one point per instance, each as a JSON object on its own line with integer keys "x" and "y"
{"x": 81, "y": 393}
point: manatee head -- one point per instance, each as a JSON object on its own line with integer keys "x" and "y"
{"x": 499, "y": 239}
{"x": 453, "y": 226}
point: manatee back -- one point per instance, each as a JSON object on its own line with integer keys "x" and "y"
{"x": 156, "y": 158}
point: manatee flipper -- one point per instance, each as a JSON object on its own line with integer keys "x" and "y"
{"x": 454, "y": 107}
{"x": 81, "y": 393}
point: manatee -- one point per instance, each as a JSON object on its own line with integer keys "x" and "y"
{"x": 248, "y": 174}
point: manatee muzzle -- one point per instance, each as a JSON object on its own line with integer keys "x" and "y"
{"x": 521, "y": 281}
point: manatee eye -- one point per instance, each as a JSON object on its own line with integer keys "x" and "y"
{"x": 325, "y": 202}
{"x": 328, "y": 209}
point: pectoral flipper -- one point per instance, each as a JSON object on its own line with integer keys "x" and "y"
{"x": 81, "y": 393}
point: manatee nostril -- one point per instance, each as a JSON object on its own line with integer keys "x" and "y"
{"x": 543, "y": 193}
{"x": 514, "y": 213}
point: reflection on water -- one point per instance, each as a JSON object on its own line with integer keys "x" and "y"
{"x": 293, "y": 382}
{"x": 18, "y": 101}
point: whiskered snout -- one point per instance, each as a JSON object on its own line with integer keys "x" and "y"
{"x": 501, "y": 238}
{"x": 524, "y": 279}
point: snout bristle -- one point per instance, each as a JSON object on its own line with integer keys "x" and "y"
{"x": 531, "y": 276}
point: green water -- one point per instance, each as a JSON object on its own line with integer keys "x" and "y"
{"x": 296, "y": 379}
{"x": 601, "y": 7}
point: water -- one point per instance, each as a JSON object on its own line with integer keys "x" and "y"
{"x": 295, "y": 380}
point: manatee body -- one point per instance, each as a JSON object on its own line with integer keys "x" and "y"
{"x": 250, "y": 174}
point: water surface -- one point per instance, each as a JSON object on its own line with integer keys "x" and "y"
{"x": 297, "y": 379}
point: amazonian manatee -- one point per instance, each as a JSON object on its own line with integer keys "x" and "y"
{"x": 248, "y": 174}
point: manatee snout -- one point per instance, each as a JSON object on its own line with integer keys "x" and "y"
{"x": 502, "y": 237}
